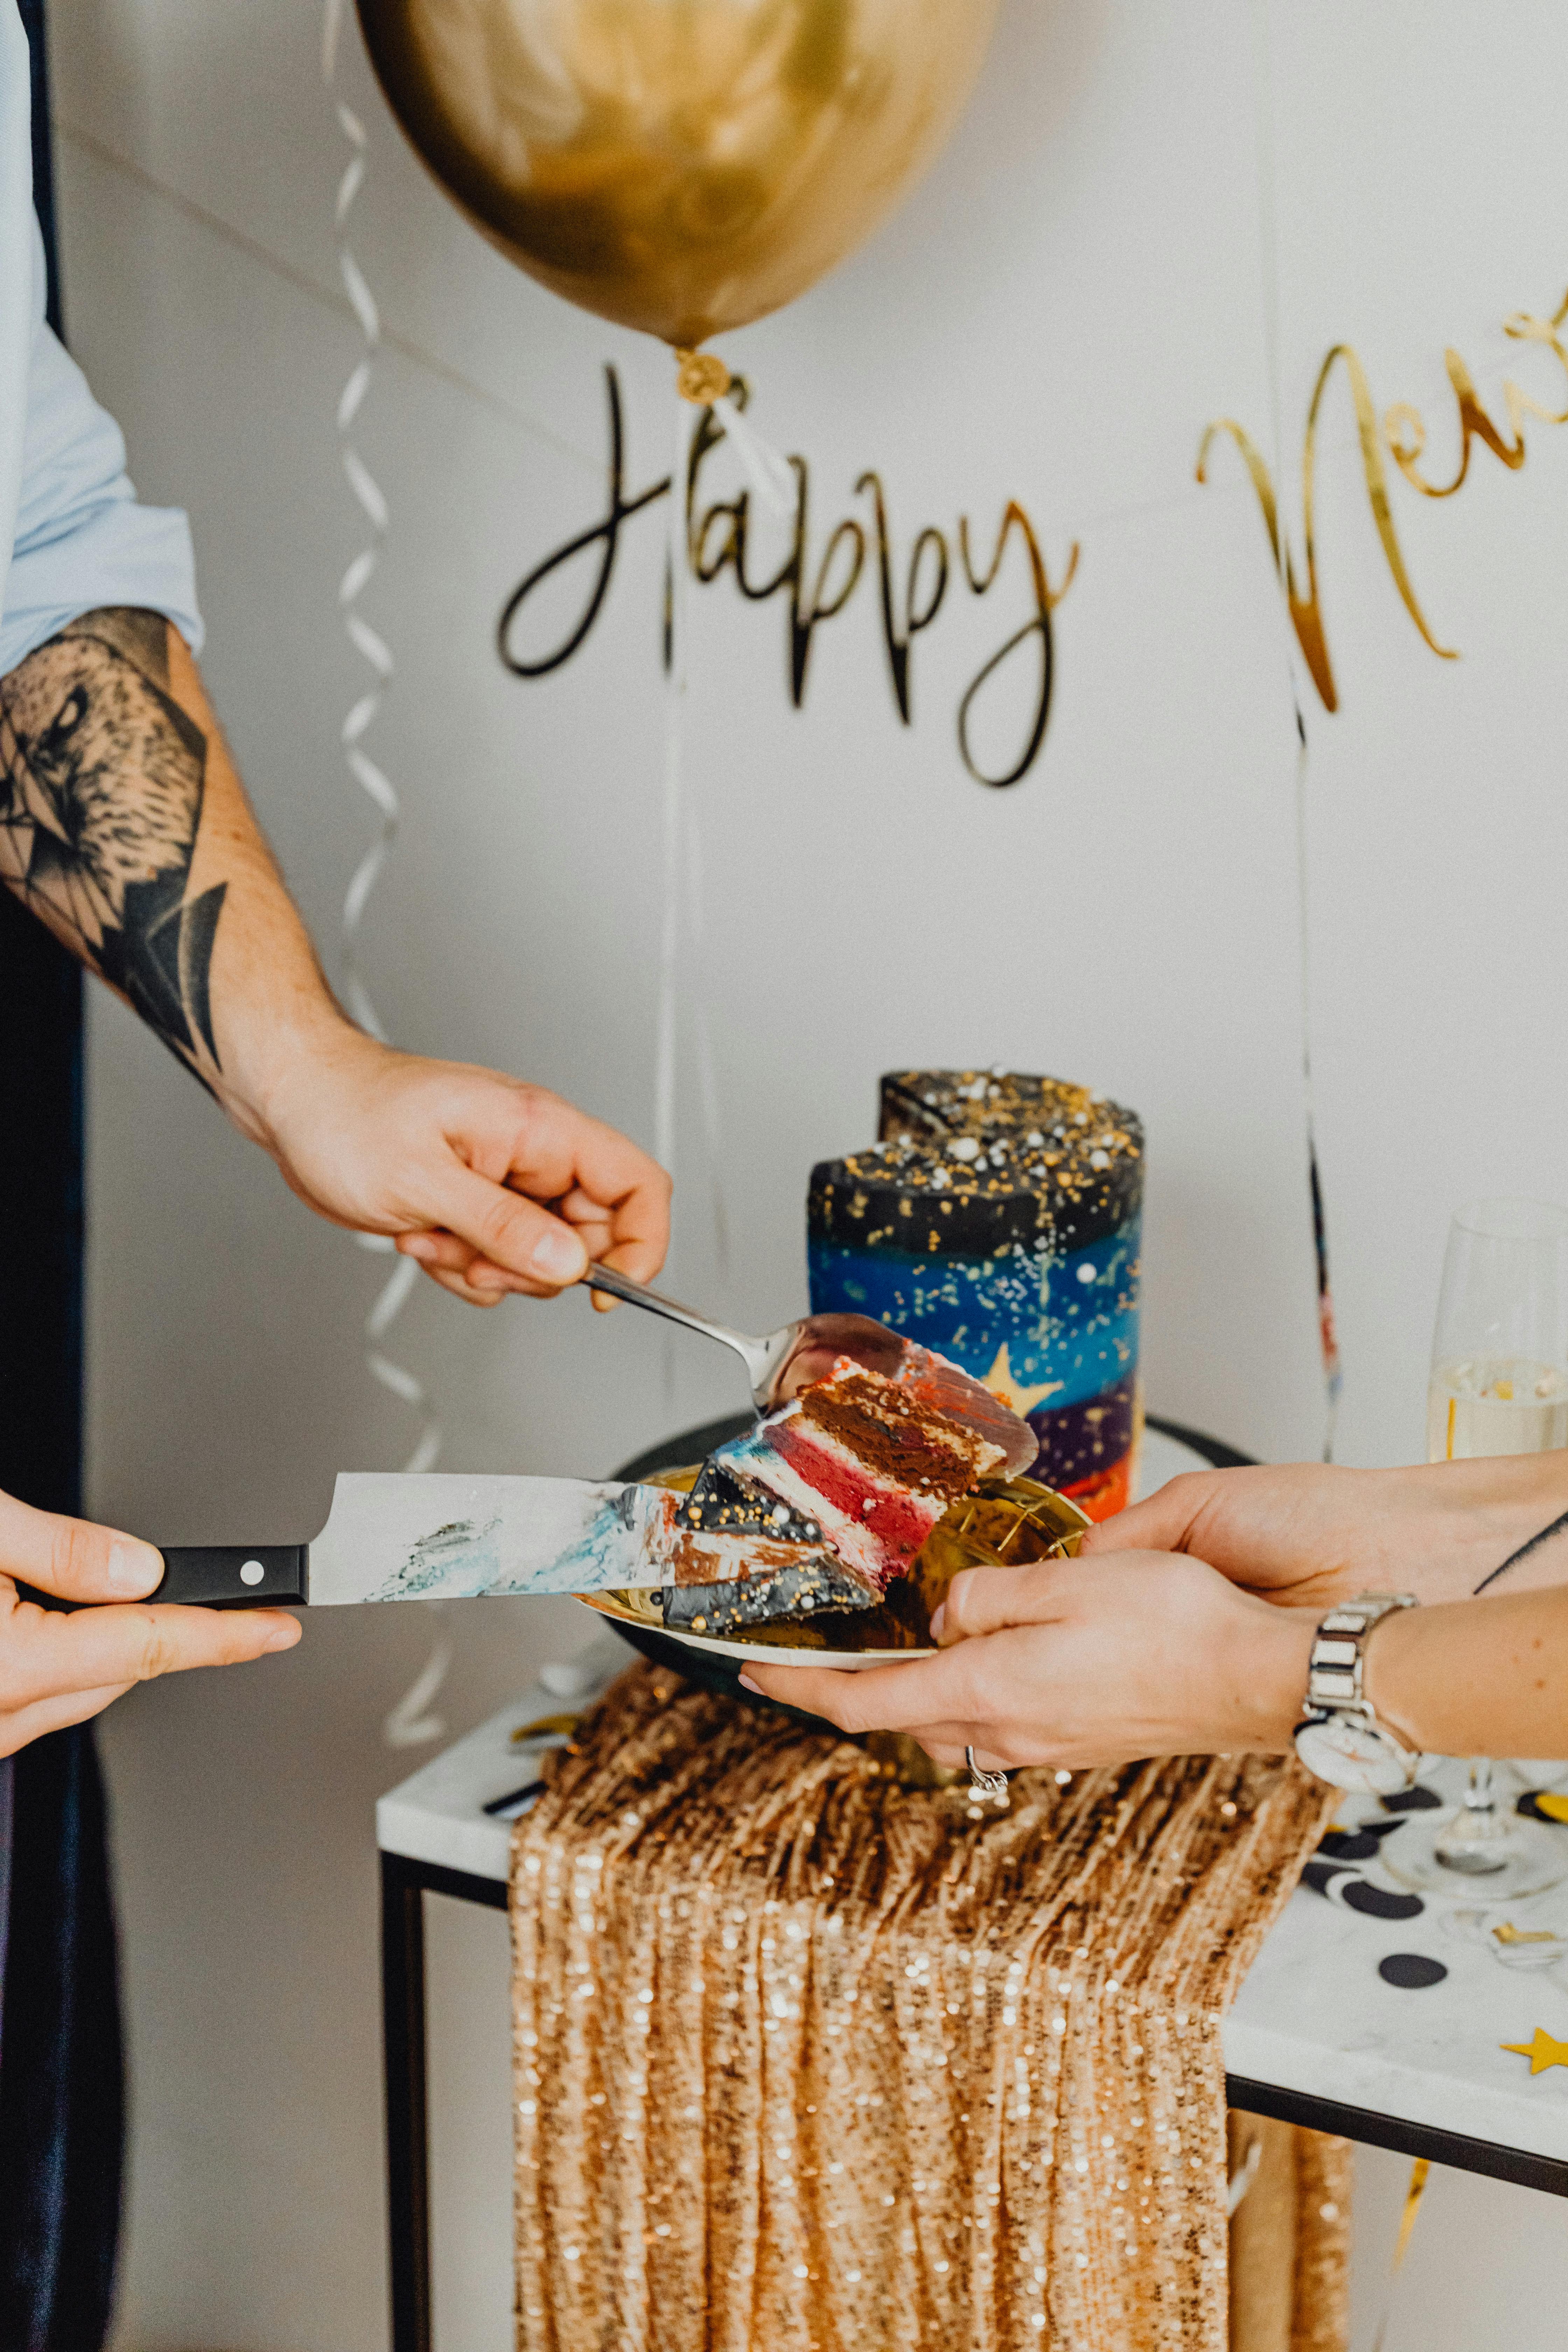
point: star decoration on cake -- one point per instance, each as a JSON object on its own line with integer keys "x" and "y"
{"x": 1541, "y": 2052}
{"x": 1004, "y": 1382}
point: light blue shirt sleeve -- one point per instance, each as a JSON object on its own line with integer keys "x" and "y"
{"x": 81, "y": 539}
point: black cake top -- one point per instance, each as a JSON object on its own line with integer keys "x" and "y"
{"x": 975, "y": 1162}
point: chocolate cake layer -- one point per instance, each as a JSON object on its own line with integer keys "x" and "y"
{"x": 892, "y": 1434}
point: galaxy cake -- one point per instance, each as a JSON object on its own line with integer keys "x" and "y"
{"x": 820, "y": 1505}
{"x": 997, "y": 1222}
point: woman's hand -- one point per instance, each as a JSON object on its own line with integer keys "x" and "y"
{"x": 1077, "y": 1663}
{"x": 56, "y": 1668}
{"x": 492, "y": 1185}
{"x": 1309, "y": 1535}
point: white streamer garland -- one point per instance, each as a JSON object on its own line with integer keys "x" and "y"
{"x": 410, "y": 1723}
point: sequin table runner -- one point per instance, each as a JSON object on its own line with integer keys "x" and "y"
{"x": 809, "y": 2059}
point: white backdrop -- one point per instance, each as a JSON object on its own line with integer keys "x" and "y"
{"x": 1151, "y": 216}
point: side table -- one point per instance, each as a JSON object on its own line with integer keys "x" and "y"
{"x": 1317, "y": 2036}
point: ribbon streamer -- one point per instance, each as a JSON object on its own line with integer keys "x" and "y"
{"x": 1328, "y": 1337}
{"x": 1419, "y": 2172}
{"x": 410, "y": 1723}
{"x": 1242, "y": 2179}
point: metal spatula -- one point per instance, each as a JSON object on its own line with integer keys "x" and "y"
{"x": 783, "y": 1362}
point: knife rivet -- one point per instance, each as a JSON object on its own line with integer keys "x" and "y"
{"x": 252, "y": 1572}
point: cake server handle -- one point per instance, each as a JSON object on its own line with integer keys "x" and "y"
{"x": 758, "y": 1355}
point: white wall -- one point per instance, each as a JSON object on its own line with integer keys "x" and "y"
{"x": 1143, "y": 203}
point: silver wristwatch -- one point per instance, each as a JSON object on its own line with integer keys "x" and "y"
{"x": 1339, "y": 1738}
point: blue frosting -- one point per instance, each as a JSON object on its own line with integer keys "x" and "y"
{"x": 1069, "y": 1322}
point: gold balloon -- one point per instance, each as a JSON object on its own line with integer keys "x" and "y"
{"x": 679, "y": 165}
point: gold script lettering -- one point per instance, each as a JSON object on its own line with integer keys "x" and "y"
{"x": 1405, "y": 432}
{"x": 717, "y": 539}
{"x": 1405, "y": 427}
{"x": 1038, "y": 626}
{"x": 1306, "y": 611}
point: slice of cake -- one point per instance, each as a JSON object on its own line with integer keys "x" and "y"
{"x": 737, "y": 1554}
{"x": 821, "y": 1504}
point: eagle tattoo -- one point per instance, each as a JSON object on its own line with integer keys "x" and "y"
{"x": 102, "y": 777}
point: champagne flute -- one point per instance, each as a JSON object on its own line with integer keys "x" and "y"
{"x": 1498, "y": 1385}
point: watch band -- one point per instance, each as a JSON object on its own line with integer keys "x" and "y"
{"x": 1336, "y": 1667}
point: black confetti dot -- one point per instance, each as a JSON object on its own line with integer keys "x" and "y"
{"x": 1320, "y": 1875}
{"x": 1380, "y": 1902}
{"x": 1350, "y": 1845}
{"x": 1412, "y": 1801}
{"x": 1411, "y": 1970}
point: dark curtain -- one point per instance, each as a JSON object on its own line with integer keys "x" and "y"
{"x": 61, "y": 2102}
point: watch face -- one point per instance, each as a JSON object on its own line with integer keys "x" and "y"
{"x": 1351, "y": 1755}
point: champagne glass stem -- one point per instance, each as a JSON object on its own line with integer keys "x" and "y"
{"x": 1476, "y": 1842}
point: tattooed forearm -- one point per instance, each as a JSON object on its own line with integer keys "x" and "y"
{"x": 101, "y": 782}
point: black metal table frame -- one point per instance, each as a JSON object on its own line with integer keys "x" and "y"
{"x": 405, "y": 1885}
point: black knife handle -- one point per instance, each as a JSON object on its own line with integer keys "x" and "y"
{"x": 235, "y": 1576}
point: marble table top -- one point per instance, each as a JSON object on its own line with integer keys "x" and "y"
{"x": 1314, "y": 2015}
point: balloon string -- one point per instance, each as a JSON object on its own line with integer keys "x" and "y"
{"x": 666, "y": 1034}
{"x": 681, "y": 873}
{"x": 768, "y": 471}
{"x": 703, "y": 378}
{"x": 410, "y": 1723}
{"x": 669, "y": 839}
{"x": 707, "y": 1075}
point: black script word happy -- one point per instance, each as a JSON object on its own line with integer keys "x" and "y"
{"x": 814, "y": 586}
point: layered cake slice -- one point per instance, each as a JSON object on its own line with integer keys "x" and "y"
{"x": 737, "y": 1554}
{"x": 820, "y": 1505}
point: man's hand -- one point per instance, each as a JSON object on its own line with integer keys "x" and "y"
{"x": 1078, "y": 1664}
{"x": 1309, "y": 1535}
{"x": 57, "y": 1669}
{"x": 490, "y": 1184}
{"x": 157, "y": 877}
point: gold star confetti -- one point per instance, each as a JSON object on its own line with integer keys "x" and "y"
{"x": 1507, "y": 1933}
{"x": 1542, "y": 2052}
{"x": 546, "y": 1726}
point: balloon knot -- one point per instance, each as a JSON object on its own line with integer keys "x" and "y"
{"x": 701, "y": 377}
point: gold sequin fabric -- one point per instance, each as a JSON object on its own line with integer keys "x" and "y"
{"x": 812, "y": 2060}
{"x": 1289, "y": 2239}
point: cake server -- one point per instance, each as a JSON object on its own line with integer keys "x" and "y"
{"x": 434, "y": 1536}
{"x": 783, "y": 1362}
